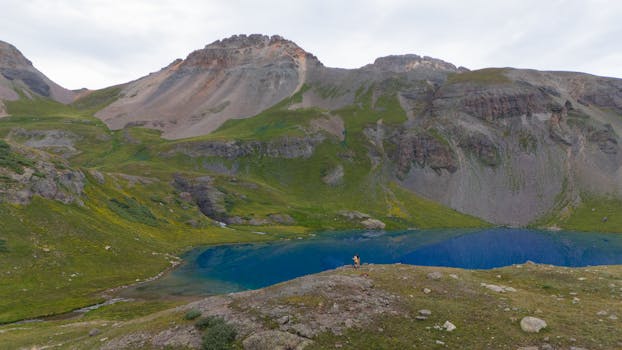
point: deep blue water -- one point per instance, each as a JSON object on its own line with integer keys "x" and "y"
{"x": 229, "y": 268}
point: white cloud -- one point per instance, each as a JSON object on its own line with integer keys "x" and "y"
{"x": 97, "y": 43}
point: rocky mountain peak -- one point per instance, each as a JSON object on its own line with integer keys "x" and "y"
{"x": 11, "y": 57}
{"x": 411, "y": 62}
{"x": 246, "y": 49}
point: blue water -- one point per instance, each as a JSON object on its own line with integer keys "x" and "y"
{"x": 230, "y": 268}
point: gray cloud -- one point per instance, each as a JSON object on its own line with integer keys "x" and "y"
{"x": 97, "y": 43}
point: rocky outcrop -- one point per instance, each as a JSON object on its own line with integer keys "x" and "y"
{"x": 482, "y": 147}
{"x": 334, "y": 176}
{"x": 201, "y": 190}
{"x": 491, "y": 102}
{"x": 425, "y": 149}
{"x": 606, "y": 139}
{"x": 57, "y": 141}
{"x": 412, "y": 63}
{"x": 287, "y": 147}
{"x": 37, "y": 174}
{"x": 373, "y": 224}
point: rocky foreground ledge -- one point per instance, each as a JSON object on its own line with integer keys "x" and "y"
{"x": 380, "y": 306}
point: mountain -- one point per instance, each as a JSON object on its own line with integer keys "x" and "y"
{"x": 506, "y": 145}
{"x": 238, "y": 77}
{"x": 19, "y": 76}
{"x": 231, "y": 78}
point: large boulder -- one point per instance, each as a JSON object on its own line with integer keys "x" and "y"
{"x": 532, "y": 324}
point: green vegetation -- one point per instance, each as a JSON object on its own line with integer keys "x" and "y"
{"x": 220, "y": 336}
{"x": 266, "y": 126}
{"x": 527, "y": 142}
{"x": 480, "y": 76}
{"x": 98, "y": 99}
{"x": 217, "y": 334}
{"x": 131, "y": 210}
{"x": 596, "y": 215}
{"x": 192, "y": 314}
{"x": 11, "y": 160}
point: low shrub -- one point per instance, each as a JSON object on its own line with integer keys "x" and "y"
{"x": 192, "y": 314}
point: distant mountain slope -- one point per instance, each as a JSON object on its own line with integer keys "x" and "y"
{"x": 510, "y": 146}
{"x": 232, "y": 78}
{"x": 240, "y": 77}
{"x": 19, "y": 76}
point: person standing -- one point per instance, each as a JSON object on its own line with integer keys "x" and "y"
{"x": 357, "y": 261}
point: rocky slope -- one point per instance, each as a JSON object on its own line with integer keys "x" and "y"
{"x": 25, "y": 173}
{"x": 523, "y": 306}
{"x": 231, "y": 78}
{"x": 19, "y": 76}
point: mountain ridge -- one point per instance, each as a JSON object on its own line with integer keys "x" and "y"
{"x": 18, "y": 76}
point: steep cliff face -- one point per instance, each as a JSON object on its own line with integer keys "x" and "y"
{"x": 19, "y": 76}
{"x": 233, "y": 78}
{"x": 523, "y": 145}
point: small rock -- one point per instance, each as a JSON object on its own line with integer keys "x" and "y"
{"x": 577, "y": 348}
{"x": 581, "y": 278}
{"x": 546, "y": 347}
{"x": 532, "y": 324}
{"x": 575, "y": 300}
{"x": 435, "y": 275}
{"x": 601, "y": 313}
{"x": 373, "y": 224}
{"x": 498, "y": 289}
{"x": 440, "y": 342}
{"x": 107, "y": 247}
{"x": 454, "y": 276}
{"x": 605, "y": 219}
{"x": 528, "y": 348}
{"x": 426, "y": 290}
{"x": 613, "y": 317}
{"x": 349, "y": 323}
{"x": 93, "y": 332}
{"x": 425, "y": 312}
{"x": 421, "y": 318}
{"x": 283, "y": 320}
{"x": 449, "y": 327}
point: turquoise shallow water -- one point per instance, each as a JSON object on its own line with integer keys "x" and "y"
{"x": 231, "y": 268}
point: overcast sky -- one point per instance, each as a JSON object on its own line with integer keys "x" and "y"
{"x": 98, "y": 43}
